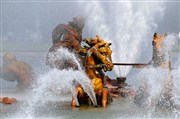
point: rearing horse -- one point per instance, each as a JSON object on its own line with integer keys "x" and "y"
{"x": 98, "y": 58}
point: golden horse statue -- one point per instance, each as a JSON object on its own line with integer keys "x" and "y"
{"x": 98, "y": 58}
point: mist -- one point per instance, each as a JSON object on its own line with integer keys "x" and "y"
{"x": 26, "y": 26}
{"x": 34, "y": 21}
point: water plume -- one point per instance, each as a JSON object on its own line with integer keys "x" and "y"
{"x": 161, "y": 85}
{"x": 56, "y": 83}
{"x": 62, "y": 58}
{"x": 127, "y": 25}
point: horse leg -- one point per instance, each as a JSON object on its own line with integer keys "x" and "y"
{"x": 78, "y": 93}
{"x": 74, "y": 97}
{"x": 73, "y": 102}
{"x": 104, "y": 97}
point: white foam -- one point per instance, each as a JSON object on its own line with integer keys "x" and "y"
{"x": 55, "y": 83}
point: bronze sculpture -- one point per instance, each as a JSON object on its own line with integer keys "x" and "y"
{"x": 14, "y": 70}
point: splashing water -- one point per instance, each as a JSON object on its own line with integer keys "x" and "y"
{"x": 127, "y": 25}
{"x": 61, "y": 55}
{"x": 56, "y": 83}
{"x": 153, "y": 78}
{"x": 161, "y": 84}
{"x": 160, "y": 90}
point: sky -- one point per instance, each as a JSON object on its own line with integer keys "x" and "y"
{"x": 35, "y": 20}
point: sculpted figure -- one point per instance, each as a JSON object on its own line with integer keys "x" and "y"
{"x": 159, "y": 52}
{"x": 14, "y": 70}
{"x": 67, "y": 36}
{"x": 98, "y": 59}
{"x": 158, "y": 59}
{"x": 7, "y": 100}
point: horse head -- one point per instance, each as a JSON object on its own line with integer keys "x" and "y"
{"x": 106, "y": 52}
{"x": 101, "y": 53}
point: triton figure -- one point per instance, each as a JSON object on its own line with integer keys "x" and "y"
{"x": 14, "y": 70}
{"x": 67, "y": 36}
